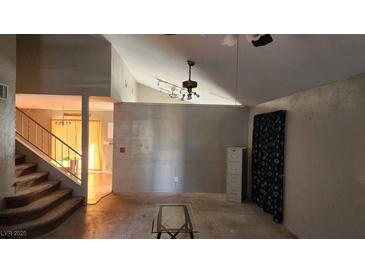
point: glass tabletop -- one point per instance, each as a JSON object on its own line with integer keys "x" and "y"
{"x": 174, "y": 218}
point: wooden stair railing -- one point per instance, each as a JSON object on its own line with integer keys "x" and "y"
{"x": 49, "y": 144}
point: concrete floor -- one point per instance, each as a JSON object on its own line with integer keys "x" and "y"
{"x": 130, "y": 215}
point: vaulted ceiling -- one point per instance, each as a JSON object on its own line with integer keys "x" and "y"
{"x": 290, "y": 64}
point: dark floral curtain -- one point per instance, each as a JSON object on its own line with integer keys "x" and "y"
{"x": 268, "y": 162}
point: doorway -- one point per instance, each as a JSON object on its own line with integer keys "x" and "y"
{"x": 61, "y": 115}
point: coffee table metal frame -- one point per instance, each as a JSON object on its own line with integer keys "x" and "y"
{"x": 186, "y": 227}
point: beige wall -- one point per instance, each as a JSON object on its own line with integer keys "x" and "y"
{"x": 7, "y": 114}
{"x": 42, "y": 116}
{"x": 324, "y": 159}
{"x": 165, "y": 141}
{"x": 64, "y": 64}
{"x": 123, "y": 85}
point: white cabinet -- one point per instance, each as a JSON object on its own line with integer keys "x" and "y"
{"x": 236, "y": 174}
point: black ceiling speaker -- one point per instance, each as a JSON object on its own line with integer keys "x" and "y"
{"x": 190, "y": 84}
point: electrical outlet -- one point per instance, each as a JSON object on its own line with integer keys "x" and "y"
{"x": 176, "y": 179}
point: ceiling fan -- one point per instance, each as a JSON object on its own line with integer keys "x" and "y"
{"x": 257, "y": 40}
{"x": 184, "y": 92}
{"x": 190, "y": 84}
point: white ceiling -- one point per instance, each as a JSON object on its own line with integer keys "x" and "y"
{"x": 290, "y": 64}
{"x": 59, "y": 102}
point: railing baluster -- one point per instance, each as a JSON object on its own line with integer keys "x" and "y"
{"x": 71, "y": 168}
{"x": 55, "y": 150}
{"x": 59, "y": 158}
{"x": 69, "y": 160}
{"x": 21, "y": 118}
{"x": 42, "y": 139}
{"x": 28, "y": 130}
{"x": 62, "y": 153}
{"x": 36, "y": 135}
{"x": 49, "y": 144}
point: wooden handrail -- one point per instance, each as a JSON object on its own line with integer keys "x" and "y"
{"x": 49, "y": 132}
{"x": 50, "y": 135}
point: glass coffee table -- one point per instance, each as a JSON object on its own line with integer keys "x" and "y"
{"x": 174, "y": 219}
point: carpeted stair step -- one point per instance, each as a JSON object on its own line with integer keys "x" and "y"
{"x": 30, "y": 194}
{"x": 19, "y": 159}
{"x": 24, "y": 169}
{"x": 35, "y": 209}
{"x": 30, "y": 180}
{"x": 45, "y": 223}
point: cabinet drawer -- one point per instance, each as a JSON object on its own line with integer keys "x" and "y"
{"x": 234, "y": 168}
{"x": 234, "y": 154}
{"x": 233, "y": 180}
{"x": 234, "y": 190}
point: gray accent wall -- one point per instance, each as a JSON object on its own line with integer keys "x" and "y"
{"x": 324, "y": 159}
{"x": 166, "y": 142}
{"x": 7, "y": 114}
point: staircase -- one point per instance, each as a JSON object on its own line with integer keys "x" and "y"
{"x": 38, "y": 206}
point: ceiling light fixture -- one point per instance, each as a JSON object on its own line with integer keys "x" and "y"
{"x": 174, "y": 91}
{"x": 63, "y": 122}
{"x": 190, "y": 84}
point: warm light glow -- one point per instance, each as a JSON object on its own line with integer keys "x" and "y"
{"x": 91, "y": 156}
{"x": 110, "y": 130}
{"x": 100, "y": 184}
{"x": 70, "y": 133}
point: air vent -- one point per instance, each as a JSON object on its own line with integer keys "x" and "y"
{"x": 3, "y": 92}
